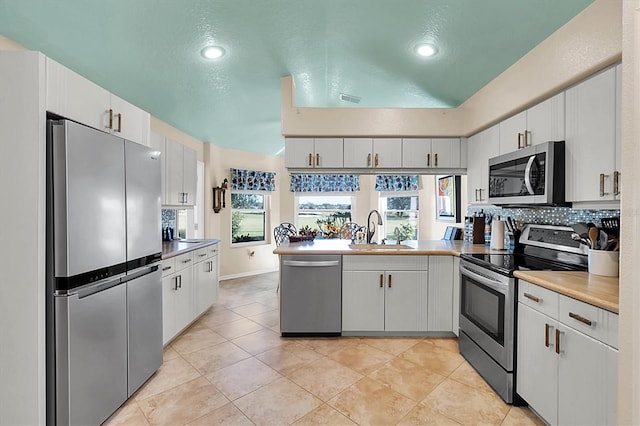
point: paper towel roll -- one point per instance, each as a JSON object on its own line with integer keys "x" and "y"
{"x": 497, "y": 235}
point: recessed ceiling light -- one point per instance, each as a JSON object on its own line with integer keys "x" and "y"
{"x": 212, "y": 52}
{"x": 426, "y": 50}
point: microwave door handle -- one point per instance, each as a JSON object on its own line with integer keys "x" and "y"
{"x": 527, "y": 175}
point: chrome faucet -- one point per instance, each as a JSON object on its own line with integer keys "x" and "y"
{"x": 369, "y": 231}
{"x": 397, "y": 234}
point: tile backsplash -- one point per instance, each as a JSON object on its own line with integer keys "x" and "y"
{"x": 547, "y": 215}
{"x": 169, "y": 218}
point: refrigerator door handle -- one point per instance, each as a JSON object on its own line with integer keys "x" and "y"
{"x": 100, "y": 286}
{"x": 140, "y": 272}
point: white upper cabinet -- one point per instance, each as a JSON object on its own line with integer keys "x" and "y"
{"x": 309, "y": 153}
{"x": 541, "y": 123}
{"x": 592, "y": 135}
{"x": 180, "y": 180}
{"x": 73, "y": 96}
{"x": 376, "y": 153}
{"x": 442, "y": 153}
{"x": 179, "y": 171}
{"x": 481, "y": 147}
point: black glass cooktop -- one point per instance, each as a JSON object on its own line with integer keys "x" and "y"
{"x": 506, "y": 264}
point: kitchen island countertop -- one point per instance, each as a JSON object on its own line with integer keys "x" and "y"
{"x": 176, "y": 247}
{"x": 421, "y": 247}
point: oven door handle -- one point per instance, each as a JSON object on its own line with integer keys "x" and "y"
{"x": 494, "y": 284}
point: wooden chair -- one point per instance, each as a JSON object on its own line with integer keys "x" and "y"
{"x": 282, "y": 232}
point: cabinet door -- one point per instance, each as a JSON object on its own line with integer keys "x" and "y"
{"x": 590, "y": 137}
{"x": 157, "y": 142}
{"x": 190, "y": 175}
{"x": 545, "y": 121}
{"x": 403, "y": 305}
{"x": 387, "y": 153}
{"x": 481, "y": 147}
{"x": 537, "y": 380}
{"x": 363, "y": 300}
{"x": 130, "y": 122}
{"x": 73, "y": 96}
{"x": 445, "y": 153}
{"x": 416, "y": 153}
{"x": 328, "y": 153}
{"x": 175, "y": 172}
{"x": 587, "y": 385}
{"x": 440, "y": 299}
{"x": 512, "y": 133}
{"x": 298, "y": 153}
{"x": 168, "y": 307}
{"x": 184, "y": 303}
{"x": 206, "y": 285}
{"x": 618, "y": 167}
{"x": 358, "y": 153}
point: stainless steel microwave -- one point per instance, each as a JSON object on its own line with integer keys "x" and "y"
{"x": 529, "y": 176}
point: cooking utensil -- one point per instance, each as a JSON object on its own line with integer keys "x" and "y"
{"x": 581, "y": 229}
{"x": 576, "y": 237}
{"x": 611, "y": 225}
{"x": 594, "y": 233}
{"x": 603, "y": 239}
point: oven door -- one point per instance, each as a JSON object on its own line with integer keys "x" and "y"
{"x": 487, "y": 310}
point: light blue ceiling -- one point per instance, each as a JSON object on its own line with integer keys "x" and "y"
{"x": 148, "y": 52}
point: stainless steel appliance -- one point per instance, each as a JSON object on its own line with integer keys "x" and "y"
{"x": 533, "y": 175}
{"x": 104, "y": 293}
{"x": 488, "y": 299}
{"x": 311, "y": 295}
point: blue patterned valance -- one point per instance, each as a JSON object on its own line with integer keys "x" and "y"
{"x": 325, "y": 183}
{"x": 386, "y": 183}
{"x": 251, "y": 180}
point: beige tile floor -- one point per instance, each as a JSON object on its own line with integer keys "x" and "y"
{"x": 231, "y": 367}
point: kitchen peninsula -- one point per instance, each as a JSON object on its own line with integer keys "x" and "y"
{"x": 413, "y": 288}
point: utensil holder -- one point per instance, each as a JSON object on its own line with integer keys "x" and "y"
{"x": 604, "y": 263}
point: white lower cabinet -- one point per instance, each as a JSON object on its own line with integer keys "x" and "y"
{"x": 189, "y": 288}
{"x": 440, "y": 298}
{"x": 384, "y": 293}
{"x": 567, "y": 369}
{"x": 206, "y": 280}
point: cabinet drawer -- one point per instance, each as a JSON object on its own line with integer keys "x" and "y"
{"x": 168, "y": 266}
{"x": 538, "y": 298}
{"x": 184, "y": 261}
{"x": 200, "y": 254}
{"x": 213, "y": 250}
{"x": 385, "y": 263}
{"x": 593, "y": 321}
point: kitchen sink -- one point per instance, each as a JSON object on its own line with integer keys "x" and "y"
{"x": 380, "y": 247}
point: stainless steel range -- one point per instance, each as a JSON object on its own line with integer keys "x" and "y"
{"x": 488, "y": 299}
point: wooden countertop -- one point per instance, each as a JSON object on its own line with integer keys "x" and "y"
{"x": 176, "y": 247}
{"x": 431, "y": 247}
{"x": 593, "y": 289}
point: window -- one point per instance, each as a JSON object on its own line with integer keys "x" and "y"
{"x": 248, "y": 217}
{"x": 326, "y": 212}
{"x": 400, "y": 211}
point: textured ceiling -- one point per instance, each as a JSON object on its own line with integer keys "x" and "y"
{"x": 148, "y": 52}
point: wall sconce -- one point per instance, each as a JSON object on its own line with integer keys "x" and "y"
{"x": 218, "y": 196}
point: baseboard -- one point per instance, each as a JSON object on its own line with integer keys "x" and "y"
{"x": 247, "y": 274}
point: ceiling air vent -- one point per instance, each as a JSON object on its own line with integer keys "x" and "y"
{"x": 349, "y": 98}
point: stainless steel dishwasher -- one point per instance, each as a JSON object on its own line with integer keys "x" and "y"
{"x": 311, "y": 295}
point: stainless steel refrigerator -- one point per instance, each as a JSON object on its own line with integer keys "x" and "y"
{"x": 104, "y": 291}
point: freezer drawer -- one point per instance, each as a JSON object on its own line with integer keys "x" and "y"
{"x": 91, "y": 357}
{"x": 311, "y": 295}
{"x": 144, "y": 311}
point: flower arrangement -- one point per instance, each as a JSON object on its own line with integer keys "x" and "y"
{"x": 304, "y": 234}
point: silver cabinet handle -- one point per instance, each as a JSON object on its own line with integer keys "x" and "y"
{"x": 532, "y": 297}
{"x": 166, "y": 268}
{"x": 186, "y": 261}
{"x": 180, "y": 276}
{"x": 580, "y": 318}
{"x": 176, "y": 286}
{"x": 526, "y": 138}
{"x": 317, "y": 159}
{"x": 602, "y": 176}
{"x": 436, "y": 159}
{"x": 376, "y": 160}
{"x": 211, "y": 266}
{"x": 428, "y": 160}
{"x": 369, "y": 160}
{"x": 519, "y": 141}
{"x": 616, "y": 183}
{"x": 119, "y": 129}
{"x": 547, "y": 327}
{"x": 110, "y": 126}
{"x": 202, "y": 255}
